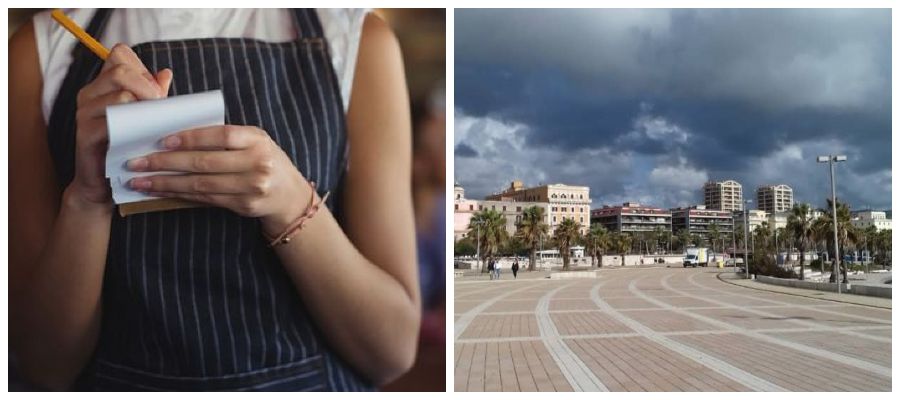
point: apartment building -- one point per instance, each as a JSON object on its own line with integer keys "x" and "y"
{"x": 698, "y": 219}
{"x": 724, "y": 195}
{"x": 775, "y": 198}
{"x": 632, "y": 218}
{"x": 566, "y": 201}
{"x": 866, "y": 218}
{"x": 464, "y": 208}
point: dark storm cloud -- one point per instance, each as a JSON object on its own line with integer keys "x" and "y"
{"x": 715, "y": 93}
{"x": 464, "y": 150}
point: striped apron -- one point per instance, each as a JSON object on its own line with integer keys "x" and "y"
{"x": 194, "y": 299}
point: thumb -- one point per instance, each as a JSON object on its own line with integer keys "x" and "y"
{"x": 164, "y": 79}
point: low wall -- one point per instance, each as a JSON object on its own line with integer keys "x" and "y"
{"x": 611, "y": 260}
{"x": 863, "y": 290}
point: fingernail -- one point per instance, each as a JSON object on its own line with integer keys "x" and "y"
{"x": 138, "y": 164}
{"x": 140, "y": 183}
{"x": 172, "y": 142}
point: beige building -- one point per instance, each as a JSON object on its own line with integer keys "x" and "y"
{"x": 755, "y": 218}
{"x": 775, "y": 198}
{"x": 724, "y": 195}
{"x": 566, "y": 201}
{"x": 864, "y": 219}
{"x": 464, "y": 208}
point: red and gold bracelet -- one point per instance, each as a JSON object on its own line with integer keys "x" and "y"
{"x": 292, "y": 229}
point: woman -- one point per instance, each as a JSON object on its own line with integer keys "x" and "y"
{"x": 196, "y": 299}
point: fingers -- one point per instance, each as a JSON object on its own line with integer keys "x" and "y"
{"x": 219, "y": 137}
{"x": 96, "y": 107}
{"x": 164, "y": 80}
{"x": 120, "y": 77}
{"x": 201, "y": 183}
{"x": 121, "y": 54}
{"x": 195, "y": 161}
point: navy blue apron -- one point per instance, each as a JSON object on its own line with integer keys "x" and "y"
{"x": 194, "y": 299}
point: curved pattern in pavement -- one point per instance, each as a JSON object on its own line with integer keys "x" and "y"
{"x": 657, "y": 329}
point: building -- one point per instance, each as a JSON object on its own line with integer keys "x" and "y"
{"x": 697, "y": 219}
{"x": 755, "y": 218}
{"x": 566, "y": 201}
{"x": 778, "y": 220}
{"x": 725, "y": 195}
{"x": 632, "y": 218}
{"x": 867, "y": 218}
{"x": 775, "y": 198}
{"x": 464, "y": 208}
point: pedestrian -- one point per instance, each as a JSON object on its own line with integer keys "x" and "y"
{"x": 497, "y": 270}
{"x": 491, "y": 269}
{"x": 515, "y": 268}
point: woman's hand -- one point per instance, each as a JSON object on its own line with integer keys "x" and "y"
{"x": 123, "y": 79}
{"x": 236, "y": 167}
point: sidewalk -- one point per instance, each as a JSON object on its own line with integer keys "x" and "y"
{"x": 740, "y": 280}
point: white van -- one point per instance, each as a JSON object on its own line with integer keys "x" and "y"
{"x": 696, "y": 256}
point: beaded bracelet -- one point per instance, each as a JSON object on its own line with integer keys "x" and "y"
{"x": 292, "y": 229}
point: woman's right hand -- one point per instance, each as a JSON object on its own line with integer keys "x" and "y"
{"x": 123, "y": 79}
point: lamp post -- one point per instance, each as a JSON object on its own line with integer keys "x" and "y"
{"x": 478, "y": 245}
{"x": 831, "y": 159}
{"x": 747, "y": 236}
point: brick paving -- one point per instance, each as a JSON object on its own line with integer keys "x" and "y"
{"x": 662, "y": 329}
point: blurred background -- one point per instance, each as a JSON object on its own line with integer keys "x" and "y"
{"x": 422, "y": 38}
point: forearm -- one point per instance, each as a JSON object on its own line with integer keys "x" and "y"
{"x": 369, "y": 317}
{"x": 58, "y": 314}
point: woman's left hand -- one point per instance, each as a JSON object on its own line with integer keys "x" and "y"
{"x": 236, "y": 167}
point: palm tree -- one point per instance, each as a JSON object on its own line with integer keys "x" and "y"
{"x": 597, "y": 241}
{"x": 684, "y": 238}
{"x": 847, "y": 233}
{"x": 714, "y": 234}
{"x": 567, "y": 233}
{"x": 530, "y": 230}
{"x": 800, "y": 226}
{"x": 621, "y": 243}
{"x": 491, "y": 225}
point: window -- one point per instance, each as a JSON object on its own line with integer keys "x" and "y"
{"x": 471, "y": 207}
{"x": 582, "y": 220}
{"x": 554, "y": 220}
{"x": 504, "y": 208}
{"x": 554, "y": 209}
{"x": 456, "y": 207}
{"x": 518, "y": 209}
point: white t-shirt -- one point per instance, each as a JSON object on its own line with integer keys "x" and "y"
{"x": 342, "y": 28}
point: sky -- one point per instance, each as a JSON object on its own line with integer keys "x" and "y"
{"x": 647, "y": 105}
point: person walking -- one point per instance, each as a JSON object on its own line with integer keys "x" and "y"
{"x": 497, "y": 270}
{"x": 515, "y": 268}
{"x": 491, "y": 269}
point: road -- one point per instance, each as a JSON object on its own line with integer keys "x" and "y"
{"x": 662, "y": 329}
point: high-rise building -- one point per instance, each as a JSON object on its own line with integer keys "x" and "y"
{"x": 775, "y": 198}
{"x": 724, "y": 195}
{"x": 566, "y": 201}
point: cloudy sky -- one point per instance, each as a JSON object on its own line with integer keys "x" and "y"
{"x": 647, "y": 105}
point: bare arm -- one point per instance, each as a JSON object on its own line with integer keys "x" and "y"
{"x": 58, "y": 240}
{"x": 362, "y": 286}
{"x": 360, "y": 283}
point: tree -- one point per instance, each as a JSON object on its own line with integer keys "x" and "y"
{"x": 491, "y": 226}
{"x": 464, "y": 247}
{"x": 596, "y": 242}
{"x": 566, "y": 234}
{"x": 800, "y": 227}
{"x": 621, "y": 243}
{"x": 530, "y": 230}
{"x": 684, "y": 238}
{"x": 847, "y": 233}
{"x": 659, "y": 235}
{"x": 714, "y": 234}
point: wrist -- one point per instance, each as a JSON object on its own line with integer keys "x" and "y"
{"x": 275, "y": 223}
{"x": 75, "y": 199}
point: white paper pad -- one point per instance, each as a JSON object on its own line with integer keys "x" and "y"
{"x": 136, "y": 129}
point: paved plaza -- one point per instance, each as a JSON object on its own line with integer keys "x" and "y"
{"x": 662, "y": 329}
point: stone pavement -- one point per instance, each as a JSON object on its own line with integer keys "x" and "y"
{"x": 740, "y": 280}
{"x": 662, "y": 329}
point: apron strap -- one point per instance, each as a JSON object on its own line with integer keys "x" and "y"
{"x": 307, "y": 22}
{"x": 61, "y": 124}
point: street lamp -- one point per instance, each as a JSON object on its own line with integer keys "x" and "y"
{"x": 831, "y": 159}
{"x": 747, "y": 236}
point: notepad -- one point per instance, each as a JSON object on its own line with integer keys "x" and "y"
{"x": 137, "y": 129}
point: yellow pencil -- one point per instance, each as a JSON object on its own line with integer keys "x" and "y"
{"x": 79, "y": 33}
